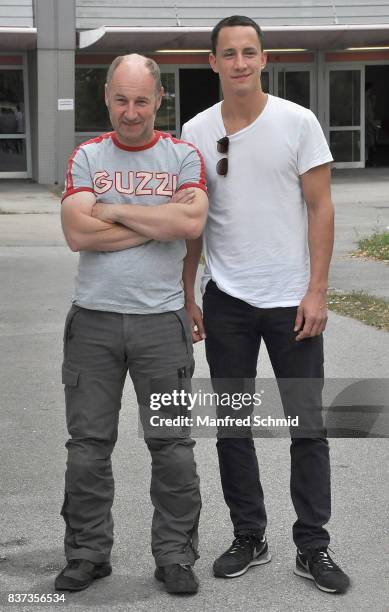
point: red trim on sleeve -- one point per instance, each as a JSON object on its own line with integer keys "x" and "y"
{"x": 198, "y": 185}
{"x": 202, "y": 182}
{"x": 69, "y": 177}
{"x": 69, "y": 192}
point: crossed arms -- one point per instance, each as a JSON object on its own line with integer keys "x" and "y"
{"x": 92, "y": 226}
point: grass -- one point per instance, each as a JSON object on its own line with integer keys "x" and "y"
{"x": 375, "y": 246}
{"x": 366, "y": 308}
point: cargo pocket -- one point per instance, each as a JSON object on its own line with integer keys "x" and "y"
{"x": 73, "y": 398}
{"x": 163, "y": 405}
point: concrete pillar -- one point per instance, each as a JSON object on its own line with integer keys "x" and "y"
{"x": 56, "y": 40}
{"x": 33, "y": 103}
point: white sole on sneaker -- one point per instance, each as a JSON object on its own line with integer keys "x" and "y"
{"x": 303, "y": 574}
{"x": 261, "y": 561}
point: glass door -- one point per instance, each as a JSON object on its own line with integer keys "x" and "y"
{"x": 345, "y": 102}
{"x": 166, "y": 119}
{"x": 194, "y": 79}
{"x": 13, "y": 141}
{"x": 295, "y": 83}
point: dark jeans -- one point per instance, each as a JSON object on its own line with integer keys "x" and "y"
{"x": 234, "y": 331}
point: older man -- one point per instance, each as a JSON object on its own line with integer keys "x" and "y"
{"x": 132, "y": 197}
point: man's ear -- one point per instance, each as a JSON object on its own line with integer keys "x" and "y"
{"x": 106, "y": 94}
{"x": 264, "y": 60}
{"x": 212, "y": 62}
{"x": 159, "y": 98}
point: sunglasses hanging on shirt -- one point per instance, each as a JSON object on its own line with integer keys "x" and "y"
{"x": 222, "y": 164}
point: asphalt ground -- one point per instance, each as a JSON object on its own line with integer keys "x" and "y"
{"x": 36, "y": 279}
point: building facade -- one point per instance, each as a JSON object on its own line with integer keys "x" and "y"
{"x": 330, "y": 56}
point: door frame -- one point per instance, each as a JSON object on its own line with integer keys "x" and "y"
{"x": 327, "y": 129}
{"x": 27, "y": 128}
{"x": 298, "y": 67}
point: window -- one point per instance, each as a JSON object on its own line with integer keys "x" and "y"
{"x": 11, "y": 102}
{"x": 166, "y": 116}
{"x": 13, "y": 152}
{"x": 90, "y": 110}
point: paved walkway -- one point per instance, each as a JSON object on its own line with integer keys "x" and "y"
{"x": 36, "y": 279}
{"x": 361, "y": 199}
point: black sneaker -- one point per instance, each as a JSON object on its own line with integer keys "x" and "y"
{"x": 79, "y": 574}
{"x": 245, "y": 552}
{"x": 178, "y": 578}
{"x": 318, "y": 566}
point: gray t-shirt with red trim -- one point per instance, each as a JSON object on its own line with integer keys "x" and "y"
{"x": 144, "y": 279}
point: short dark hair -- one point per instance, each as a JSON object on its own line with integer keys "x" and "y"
{"x": 235, "y": 20}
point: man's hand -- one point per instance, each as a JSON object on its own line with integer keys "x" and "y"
{"x": 104, "y": 212}
{"x": 311, "y": 316}
{"x": 196, "y": 321}
{"x": 184, "y": 196}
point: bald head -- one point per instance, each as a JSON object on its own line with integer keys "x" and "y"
{"x": 136, "y": 61}
{"x": 133, "y": 95}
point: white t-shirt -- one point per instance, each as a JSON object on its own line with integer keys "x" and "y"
{"x": 255, "y": 240}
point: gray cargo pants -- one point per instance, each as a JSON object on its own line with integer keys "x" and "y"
{"x": 99, "y": 349}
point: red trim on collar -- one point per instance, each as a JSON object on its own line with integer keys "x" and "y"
{"x": 142, "y": 148}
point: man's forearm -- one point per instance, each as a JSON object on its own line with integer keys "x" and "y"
{"x": 170, "y": 221}
{"x": 83, "y": 232}
{"x": 191, "y": 263}
{"x": 95, "y": 235}
{"x": 320, "y": 242}
{"x": 116, "y": 238}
